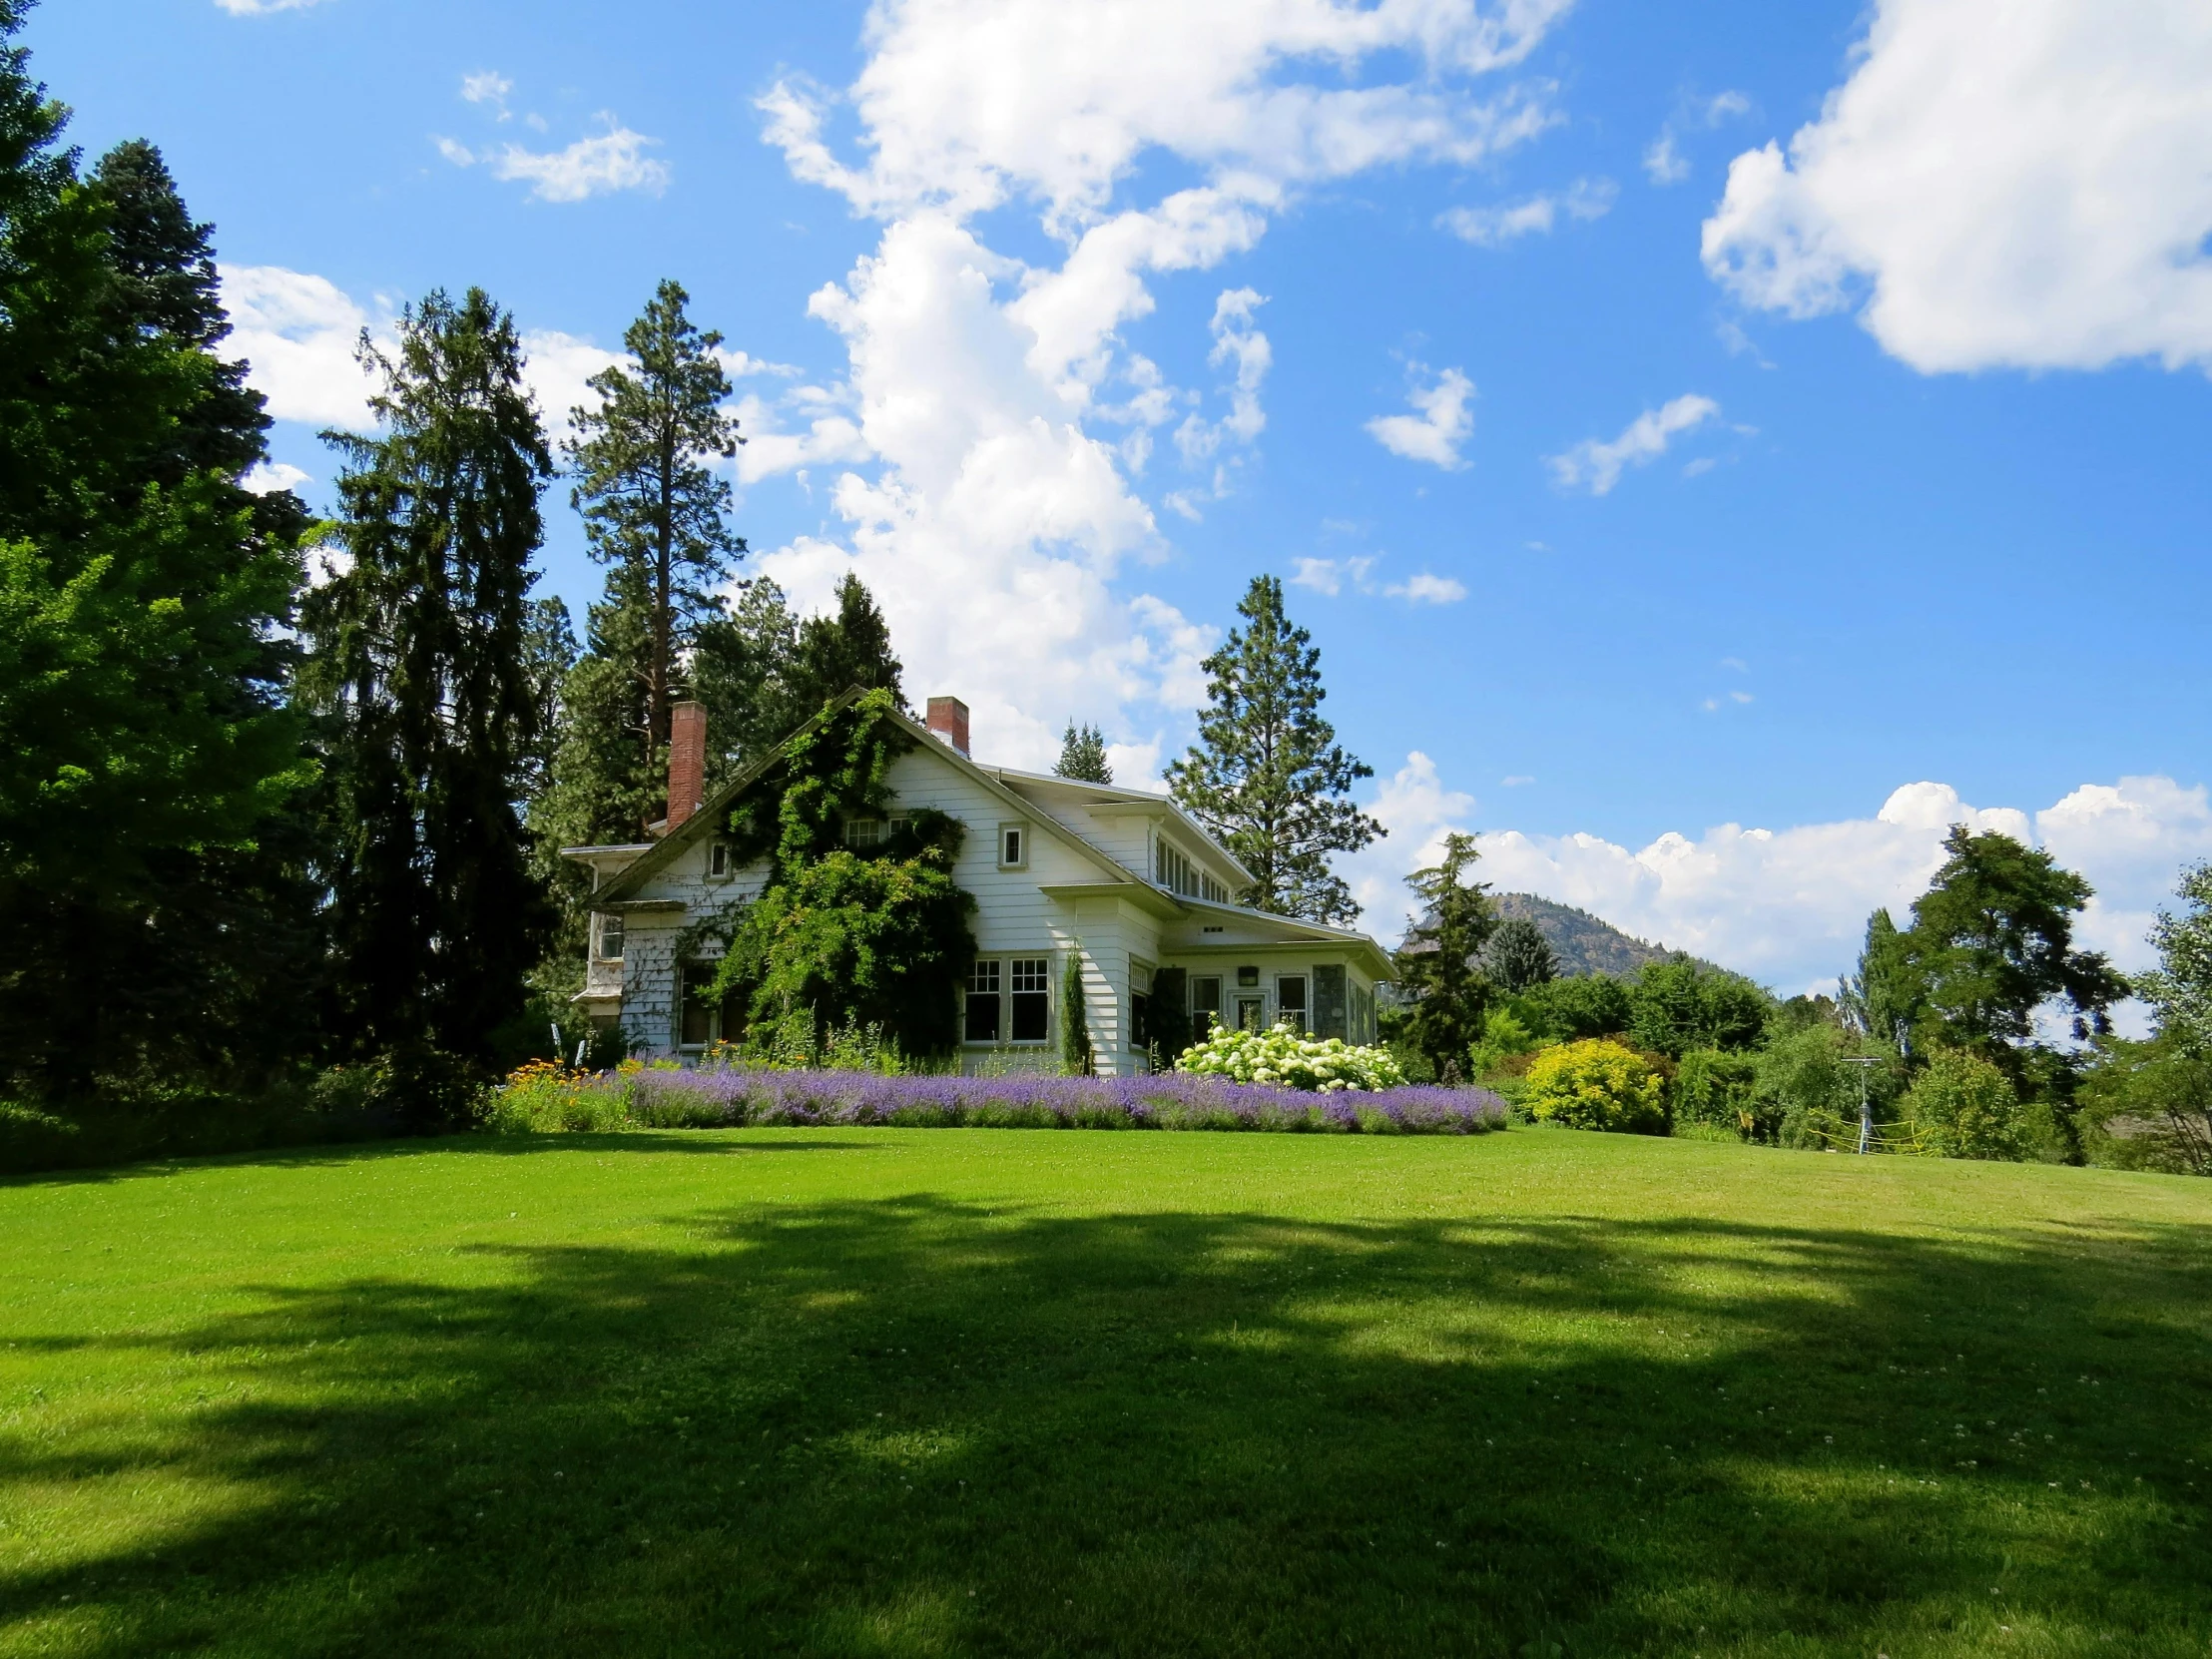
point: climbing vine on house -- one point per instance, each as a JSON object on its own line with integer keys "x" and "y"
{"x": 846, "y": 936}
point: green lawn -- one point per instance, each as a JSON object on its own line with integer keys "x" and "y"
{"x": 1028, "y": 1392}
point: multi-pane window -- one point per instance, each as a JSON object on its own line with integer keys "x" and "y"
{"x": 1012, "y": 851}
{"x": 1009, "y": 1001}
{"x": 864, "y": 833}
{"x": 1289, "y": 998}
{"x": 1030, "y": 978}
{"x": 608, "y": 945}
{"x": 983, "y": 1001}
{"x": 1175, "y": 872}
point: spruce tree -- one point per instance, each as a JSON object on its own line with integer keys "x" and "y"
{"x": 1519, "y": 957}
{"x": 420, "y": 666}
{"x": 146, "y": 757}
{"x": 1439, "y": 972}
{"x": 851, "y": 648}
{"x": 1267, "y": 774}
{"x": 1083, "y": 755}
{"x": 657, "y": 512}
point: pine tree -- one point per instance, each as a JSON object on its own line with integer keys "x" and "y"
{"x": 654, "y": 509}
{"x": 1083, "y": 755}
{"x": 1438, "y": 973}
{"x": 1267, "y": 776}
{"x": 1879, "y": 999}
{"x": 146, "y": 757}
{"x": 420, "y": 664}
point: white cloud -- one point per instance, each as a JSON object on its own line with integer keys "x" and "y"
{"x": 978, "y": 501}
{"x": 488, "y": 87}
{"x": 610, "y": 161}
{"x": 267, "y": 477}
{"x": 1789, "y": 907}
{"x": 1443, "y": 424}
{"x": 259, "y": 8}
{"x": 1425, "y": 589}
{"x": 300, "y": 332}
{"x": 1596, "y": 465}
{"x": 2020, "y": 188}
{"x": 1664, "y": 162}
{"x": 1586, "y": 199}
{"x": 299, "y": 335}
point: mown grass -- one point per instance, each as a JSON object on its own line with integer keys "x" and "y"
{"x": 886, "y": 1391}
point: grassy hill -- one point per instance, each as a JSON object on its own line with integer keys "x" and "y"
{"x": 887, "y": 1391}
{"x": 1583, "y": 944}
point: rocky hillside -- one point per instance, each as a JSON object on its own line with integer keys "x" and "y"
{"x": 1582, "y": 942}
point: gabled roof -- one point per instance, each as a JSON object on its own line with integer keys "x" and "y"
{"x": 701, "y": 825}
{"x": 1094, "y": 796}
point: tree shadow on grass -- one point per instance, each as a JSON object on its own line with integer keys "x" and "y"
{"x": 908, "y": 1428}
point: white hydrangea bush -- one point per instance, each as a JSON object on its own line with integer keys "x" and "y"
{"x": 1285, "y": 1059}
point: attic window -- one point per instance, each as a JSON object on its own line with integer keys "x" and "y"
{"x": 720, "y": 865}
{"x": 864, "y": 834}
{"x": 1013, "y": 846}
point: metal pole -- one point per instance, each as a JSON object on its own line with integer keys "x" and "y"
{"x": 1865, "y": 1105}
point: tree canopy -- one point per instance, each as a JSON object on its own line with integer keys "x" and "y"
{"x": 1083, "y": 755}
{"x": 1439, "y": 972}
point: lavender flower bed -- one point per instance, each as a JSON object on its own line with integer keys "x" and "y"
{"x": 657, "y": 1098}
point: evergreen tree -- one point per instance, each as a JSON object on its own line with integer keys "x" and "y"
{"x": 1520, "y": 957}
{"x": 743, "y": 672}
{"x": 656, "y": 510}
{"x": 1438, "y": 973}
{"x": 1877, "y": 999}
{"x": 1267, "y": 774}
{"x": 146, "y": 757}
{"x": 851, "y": 648}
{"x": 1083, "y": 755}
{"x": 421, "y": 662}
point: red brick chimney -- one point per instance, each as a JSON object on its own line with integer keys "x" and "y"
{"x": 687, "y": 762}
{"x": 949, "y": 723}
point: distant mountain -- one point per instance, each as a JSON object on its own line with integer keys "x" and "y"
{"x": 1582, "y": 942}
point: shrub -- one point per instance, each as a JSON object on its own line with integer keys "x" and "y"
{"x": 1595, "y": 1084}
{"x": 1961, "y": 1106}
{"x": 1588, "y": 1005}
{"x": 1714, "y": 1088}
{"x": 1283, "y": 1059}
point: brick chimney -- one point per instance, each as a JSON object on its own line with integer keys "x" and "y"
{"x": 687, "y": 762}
{"x": 949, "y": 723}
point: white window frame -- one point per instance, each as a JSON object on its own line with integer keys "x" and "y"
{"x": 1037, "y": 981}
{"x": 1019, "y": 830}
{"x": 726, "y": 855}
{"x": 1303, "y": 1014}
{"x": 600, "y": 922}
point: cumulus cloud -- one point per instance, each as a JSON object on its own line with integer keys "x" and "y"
{"x": 300, "y": 334}
{"x": 993, "y": 415}
{"x": 610, "y": 161}
{"x": 1596, "y": 465}
{"x": 1586, "y": 199}
{"x": 1441, "y": 424}
{"x": 1789, "y": 907}
{"x": 2021, "y": 189}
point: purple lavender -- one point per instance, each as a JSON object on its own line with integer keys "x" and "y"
{"x": 730, "y": 1096}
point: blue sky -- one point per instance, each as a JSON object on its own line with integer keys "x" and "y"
{"x": 1630, "y": 498}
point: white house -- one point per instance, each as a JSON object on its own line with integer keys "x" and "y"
{"x": 1124, "y": 880}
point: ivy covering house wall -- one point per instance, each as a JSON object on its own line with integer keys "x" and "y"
{"x": 845, "y": 937}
